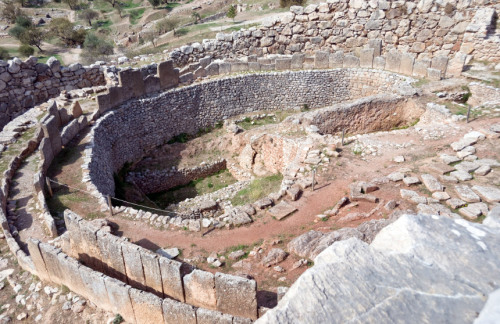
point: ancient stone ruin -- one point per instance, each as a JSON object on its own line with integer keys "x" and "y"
{"x": 289, "y": 99}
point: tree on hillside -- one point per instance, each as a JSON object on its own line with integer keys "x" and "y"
{"x": 155, "y": 3}
{"x": 33, "y": 36}
{"x": 196, "y": 16}
{"x": 10, "y": 12}
{"x": 231, "y": 13}
{"x": 166, "y": 25}
{"x": 73, "y": 4}
{"x": 62, "y": 28}
{"x": 88, "y": 15}
{"x": 112, "y": 2}
{"x": 150, "y": 36}
{"x": 96, "y": 48}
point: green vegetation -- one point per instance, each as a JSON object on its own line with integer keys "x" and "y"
{"x": 194, "y": 188}
{"x": 288, "y": 3}
{"x": 231, "y": 12}
{"x": 26, "y": 50}
{"x": 420, "y": 83}
{"x": 4, "y": 54}
{"x": 44, "y": 59}
{"x": 257, "y": 189}
{"x": 96, "y": 48}
{"x": 88, "y": 15}
{"x": 135, "y": 15}
{"x": 118, "y": 319}
{"x": 413, "y": 123}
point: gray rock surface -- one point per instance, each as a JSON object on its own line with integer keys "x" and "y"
{"x": 352, "y": 281}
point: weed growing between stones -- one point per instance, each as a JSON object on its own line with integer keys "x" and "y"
{"x": 257, "y": 189}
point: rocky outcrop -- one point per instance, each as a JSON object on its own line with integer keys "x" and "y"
{"x": 425, "y": 268}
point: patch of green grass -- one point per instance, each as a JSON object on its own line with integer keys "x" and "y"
{"x": 135, "y": 15}
{"x": 248, "y": 123}
{"x": 102, "y": 24}
{"x": 258, "y": 189}
{"x": 44, "y": 59}
{"x": 420, "y": 83}
{"x": 169, "y": 6}
{"x": 413, "y": 123}
{"x": 130, "y": 4}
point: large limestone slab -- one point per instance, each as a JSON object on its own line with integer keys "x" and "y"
{"x": 321, "y": 60}
{"x": 206, "y": 316}
{"x": 172, "y": 278}
{"x": 132, "y": 83}
{"x": 133, "y": 265}
{"x": 236, "y": 295}
{"x": 444, "y": 275}
{"x": 119, "y": 298}
{"x": 282, "y": 210}
{"x": 111, "y": 253}
{"x": 147, "y": 307}
{"x": 169, "y": 76}
{"x": 431, "y": 183}
{"x": 466, "y": 194}
{"x": 152, "y": 274}
{"x": 199, "y": 287}
{"x": 178, "y": 313}
{"x": 488, "y": 193}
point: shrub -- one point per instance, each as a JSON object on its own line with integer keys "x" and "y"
{"x": 26, "y": 50}
{"x": 4, "y": 54}
{"x": 288, "y": 3}
{"x": 96, "y": 48}
{"x": 23, "y": 21}
{"x": 10, "y": 12}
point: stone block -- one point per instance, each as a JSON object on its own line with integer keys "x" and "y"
{"x": 49, "y": 256}
{"x": 239, "y": 67}
{"x": 51, "y": 131}
{"x": 456, "y": 65}
{"x": 147, "y": 307}
{"x": 224, "y": 68}
{"x": 90, "y": 251}
{"x": 119, "y": 298}
{"x": 46, "y": 153}
{"x": 111, "y": 255}
{"x": 406, "y": 66}
{"x": 212, "y": 69}
{"x": 393, "y": 61}
{"x": 115, "y": 96}
{"x": 204, "y": 62}
{"x": 379, "y": 63}
{"x": 63, "y": 114}
{"x": 152, "y": 84}
{"x": 93, "y": 282}
{"x": 253, "y": 66}
{"x": 72, "y": 220}
{"x": 132, "y": 83}
{"x": 70, "y": 131}
{"x": 433, "y": 74}
{"x": 297, "y": 61}
{"x": 178, "y": 313}
{"x": 53, "y": 111}
{"x": 376, "y": 44}
{"x": 440, "y": 63}
{"x": 103, "y": 103}
{"x": 420, "y": 68}
{"x": 186, "y": 78}
{"x": 351, "y": 61}
{"x": 133, "y": 265}
{"x": 236, "y": 295}
{"x": 171, "y": 274}
{"x": 73, "y": 279}
{"x": 38, "y": 261}
{"x": 336, "y": 60}
{"x": 169, "y": 76}
{"x": 366, "y": 58}
{"x": 199, "y": 287}
{"x": 75, "y": 110}
{"x": 322, "y": 60}
{"x": 205, "y": 316}
{"x": 267, "y": 67}
{"x": 200, "y": 73}
{"x": 283, "y": 64}
{"x": 152, "y": 273}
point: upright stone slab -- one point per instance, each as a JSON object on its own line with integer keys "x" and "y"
{"x": 54, "y": 111}
{"x": 236, "y": 295}
{"x": 200, "y": 73}
{"x": 186, "y": 78}
{"x": 283, "y": 64}
{"x": 456, "y": 65}
{"x": 171, "y": 274}
{"x": 37, "y": 258}
{"x": 321, "y": 60}
{"x": 46, "y": 153}
{"x": 440, "y": 63}
{"x": 205, "y": 316}
{"x": 297, "y": 61}
{"x": 147, "y": 307}
{"x": 393, "y": 61}
{"x": 239, "y": 67}
{"x": 434, "y": 74}
{"x": 119, "y": 298}
{"x": 379, "y": 63}
{"x": 406, "y": 66}
{"x": 351, "y": 61}
{"x": 253, "y": 66}
{"x": 366, "y": 58}
{"x": 224, "y": 68}
{"x": 169, "y": 76}
{"x": 49, "y": 256}
{"x": 133, "y": 265}
{"x": 91, "y": 252}
{"x": 420, "y": 68}
{"x": 103, "y": 103}
{"x": 376, "y": 44}
{"x": 199, "y": 288}
{"x": 212, "y": 69}
{"x": 115, "y": 96}
{"x": 178, "y": 313}
{"x": 94, "y": 282}
{"x": 112, "y": 257}
{"x": 152, "y": 273}
{"x": 51, "y": 131}
{"x": 152, "y": 84}
{"x": 132, "y": 83}
{"x": 72, "y": 220}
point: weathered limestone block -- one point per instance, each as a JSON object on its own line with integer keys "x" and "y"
{"x": 111, "y": 254}
{"x": 253, "y": 66}
{"x": 69, "y": 132}
{"x": 200, "y": 73}
{"x": 51, "y": 131}
{"x": 152, "y": 84}
{"x": 205, "y": 316}
{"x": 376, "y": 44}
{"x": 132, "y": 83}
{"x": 72, "y": 276}
{"x": 236, "y": 295}
{"x": 456, "y": 65}
{"x": 440, "y": 63}
{"x": 177, "y": 312}
{"x": 172, "y": 278}
{"x": 91, "y": 253}
{"x": 406, "y": 66}
{"x": 75, "y": 110}
{"x": 379, "y": 63}
{"x": 199, "y": 287}
{"x": 38, "y": 261}
{"x": 119, "y": 298}
{"x": 72, "y": 220}
{"x": 283, "y": 64}
{"x": 297, "y": 61}
{"x": 212, "y": 69}
{"x": 49, "y": 256}
{"x": 351, "y": 61}
{"x": 393, "y": 61}
{"x": 434, "y": 74}
{"x": 94, "y": 282}
{"x": 420, "y": 68}
{"x": 224, "y": 68}
{"x": 152, "y": 273}
{"x": 133, "y": 265}
{"x": 169, "y": 76}
{"x": 321, "y": 60}
{"x": 147, "y": 307}
{"x": 54, "y": 111}
{"x": 239, "y": 67}
{"x": 103, "y": 103}
{"x": 366, "y": 58}
{"x": 47, "y": 155}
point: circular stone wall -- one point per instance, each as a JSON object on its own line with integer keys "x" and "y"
{"x": 129, "y": 132}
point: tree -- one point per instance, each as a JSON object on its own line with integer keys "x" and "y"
{"x": 10, "y": 12}
{"x": 32, "y": 36}
{"x": 166, "y": 25}
{"x": 112, "y": 2}
{"x": 231, "y": 13}
{"x": 150, "y": 36}
{"x": 155, "y": 3}
{"x": 62, "y": 28}
{"x": 24, "y": 21}
{"x": 4, "y": 54}
{"x": 73, "y": 4}
{"x": 26, "y": 50}
{"x": 88, "y": 15}
{"x": 96, "y": 48}
{"x": 196, "y": 16}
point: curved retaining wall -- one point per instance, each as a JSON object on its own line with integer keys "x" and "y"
{"x": 129, "y": 132}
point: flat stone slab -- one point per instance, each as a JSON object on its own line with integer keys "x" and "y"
{"x": 282, "y": 210}
{"x": 168, "y": 253}
{"x": 396, "y": 176}
{"x": 455, "y": 203}
{"x": 495, "y": 128}
{"x": 492, "y": 163}
{"x": 412, "y": 196}
{"x": 475, "y": 135}
{"x": 263, "y": 203}
{"x": 461, "y": 175}
{"x": 469, "y": 150}
{"x": 411, "y": 181}
{"x": 483, "y": 170}
{"x": 440, "y": 195}
{"x": 435, "y": 209}
{"x": 467, "y": 166}
{"x": 440, "y": 168}
{"x": 449, "y": 159}
{"x": 431, "y": 183}
{"x": 489, "y": 194}
{"x": 463, "y": 143}
{"x": 447, "y": 178}
{"x": 473, "y": 211}
{"x": 466, "y": 194}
